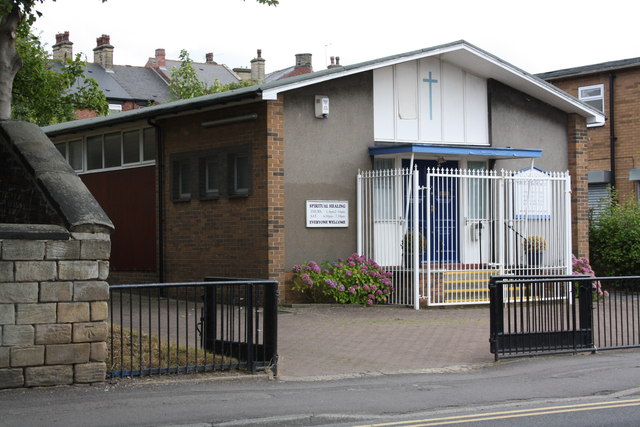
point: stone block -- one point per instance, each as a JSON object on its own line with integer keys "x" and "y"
{"x": 103, "y": 270}
{"x": 91, "y": 291}
{"x": 39, "y": 376}
{"x": 18, "y": 292}
{"x": 66, "y": 354}
{"x": 78, "y": 270}
{"x": 90, "y": 372}
{"x": 18, "y": 335}
{"x": 6, "y": 272}
{"x": 35, "y": 313}
{"x": 53, "y": 334}
{"x": 99, "y": 311}
{"x": 99, "y": 351}
{"x": 5, "y": 352}
{"x": 7, "y": 314}
{"x": 27, "y": 356}
{"x": 36, "y": 271}
{"x": 11, "y": 378}
{"x": 23, "y": 250}
{"x": 90, "y": 332}
{"x": 56, "y": 291}
{"x": 95, "y": 249}
{"x": 73, "y": 312}
{"x": 62, "y": 249}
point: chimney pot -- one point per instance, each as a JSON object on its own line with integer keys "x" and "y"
{"x": 259, "y": 53}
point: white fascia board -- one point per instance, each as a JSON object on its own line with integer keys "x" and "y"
{"x": 272, "y": 94}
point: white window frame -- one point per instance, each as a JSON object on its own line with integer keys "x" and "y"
{"x": 592, "y": 98}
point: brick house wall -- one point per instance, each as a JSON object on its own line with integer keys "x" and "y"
{"x": 626, "y": 125}
{"x": 229, "y": 235}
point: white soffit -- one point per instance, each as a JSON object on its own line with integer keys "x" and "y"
{"x": 475, "y": 61}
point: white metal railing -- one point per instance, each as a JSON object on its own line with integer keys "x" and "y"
{"x": 473, "y": 223}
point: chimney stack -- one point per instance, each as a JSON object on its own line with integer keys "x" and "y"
{"x": 209, "y": 57}
{"x": 303, "y": 60}
{"x": 257, "y": 68}
{"x": 161, "y": 58}
{"x": 63, "y": 48}
{"x": 335, "y": 62}
{"x": 103, "y": 52}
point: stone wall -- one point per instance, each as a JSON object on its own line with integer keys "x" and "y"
{"x": 53, "y": 308}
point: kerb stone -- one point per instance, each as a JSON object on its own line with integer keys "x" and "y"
{"x": 38, "y": 376}
{"x": 11, "y": 378}
{"x": 90, "y": 372}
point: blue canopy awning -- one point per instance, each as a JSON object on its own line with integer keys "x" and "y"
{"x": 458, "y": 150}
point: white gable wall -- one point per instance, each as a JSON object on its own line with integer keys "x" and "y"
{"x": 430, "y": 101}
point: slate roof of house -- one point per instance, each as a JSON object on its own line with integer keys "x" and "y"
{"x": 460, "y": 53}
{"x": 207, "y": 73}
{"x": 127, "y": 83}
{"x": 590, "y": 69}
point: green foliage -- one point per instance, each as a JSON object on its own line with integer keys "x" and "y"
{"x": 356, "y": 280}
{"x": 44, "y": 96}
{"x": 614, "y": 239}
{"x": 185, "y": 83}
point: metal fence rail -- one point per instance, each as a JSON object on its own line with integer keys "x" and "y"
{"x": 217, "y": 324}
{"x": 557, "y": 314}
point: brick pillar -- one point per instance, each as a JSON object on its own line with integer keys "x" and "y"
{"x": 578, "y": 168}
{"x": 275, "y": 190}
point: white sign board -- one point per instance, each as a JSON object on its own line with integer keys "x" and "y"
{"x": 532, "y": 196}
{"x": 327, "y": 213}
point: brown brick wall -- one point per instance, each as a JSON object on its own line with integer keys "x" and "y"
{"x": 578, "y": 167}
{"x": 627, "y": 126}
{"x": 227, "y": 236}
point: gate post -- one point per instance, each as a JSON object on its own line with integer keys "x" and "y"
{"x": 417, "y": 255}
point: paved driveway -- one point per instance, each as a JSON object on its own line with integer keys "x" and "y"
{"x": 330, "y": 340}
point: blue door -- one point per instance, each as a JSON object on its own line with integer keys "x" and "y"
{"x": 443, "y": 206}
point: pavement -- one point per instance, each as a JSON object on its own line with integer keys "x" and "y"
{"x": 325, "y": 341}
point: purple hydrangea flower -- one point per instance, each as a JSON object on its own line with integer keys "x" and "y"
{"x": 341, "y": 288}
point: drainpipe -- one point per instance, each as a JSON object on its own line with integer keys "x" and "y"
{"x": 160, "y": 201}
{"x": 612, "y": 132}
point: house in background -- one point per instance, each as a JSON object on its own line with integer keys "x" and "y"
{"x": 613, "y": 88}
{"x": 229, "y": 190}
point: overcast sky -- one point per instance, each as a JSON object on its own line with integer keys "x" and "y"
{"x": 535, "y": 36}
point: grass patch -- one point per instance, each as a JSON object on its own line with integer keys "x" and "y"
{"x": 133, "y": 350}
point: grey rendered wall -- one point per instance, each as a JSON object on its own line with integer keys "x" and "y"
{"x": 521, "y": 121}
{"x": 322, "y": 157}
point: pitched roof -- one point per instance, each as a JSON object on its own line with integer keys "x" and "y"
{"x": 207, "y": 73}
{"x": 459, "y": 53}
{"x": 590, "y": 69}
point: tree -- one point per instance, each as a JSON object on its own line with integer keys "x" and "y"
{"x": 46, "y": 96}
{"x": 185, "y": 83}
{"x": 12, "y": 14}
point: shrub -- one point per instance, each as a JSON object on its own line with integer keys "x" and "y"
{"x": 356, "y": 280}
{"x": 580, "y": 266}
{"x": 614, "y": 239}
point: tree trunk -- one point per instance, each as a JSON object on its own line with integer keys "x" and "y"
{"x": 10, "y": 61}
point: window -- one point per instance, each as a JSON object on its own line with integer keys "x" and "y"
{"x": 240, "y": 167}
{"x": 384, "y": 191}
{"x": 115, "y": 108}
{"x": 181, "y": 179}
{"x": 477, "y": 191}
{"x": 593, "y": 96}
{"x": 111, "y": 150}
{"x": 209, "y": 177}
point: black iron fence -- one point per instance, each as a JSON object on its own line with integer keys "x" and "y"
{"x": 556, "y": 314}
{"x": 217, "y": 324}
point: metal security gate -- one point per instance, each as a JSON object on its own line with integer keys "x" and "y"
{"x": 445, "y": 232}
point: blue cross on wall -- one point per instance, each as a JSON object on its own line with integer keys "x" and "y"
{"x": 431, "y": 81}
